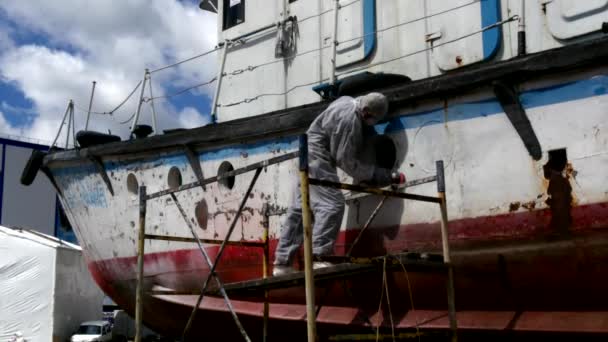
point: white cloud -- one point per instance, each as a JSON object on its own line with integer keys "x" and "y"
{"x": 110, "y": 42}
{"x": 7, "y": 129}
{"x": 190, "y": 117}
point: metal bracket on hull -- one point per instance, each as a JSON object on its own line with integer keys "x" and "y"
{"x": 509, "y": 100}
{"x": 195, "y": 164}
{"x": 102, "y": 172}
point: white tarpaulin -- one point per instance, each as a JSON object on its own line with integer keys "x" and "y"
{"x": 45, "y": 288}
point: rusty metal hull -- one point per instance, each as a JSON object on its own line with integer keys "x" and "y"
{"x": 549, "y": 284}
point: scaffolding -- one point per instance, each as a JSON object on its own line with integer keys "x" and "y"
{"x": 347, "y": 266}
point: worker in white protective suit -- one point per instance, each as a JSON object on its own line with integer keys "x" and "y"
{"x": 335, "y": 139}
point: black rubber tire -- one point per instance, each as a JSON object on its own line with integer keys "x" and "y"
{"x": 91, "y": 138}
{"x": 365, "y": 82}
{"x": 31, "y": 168}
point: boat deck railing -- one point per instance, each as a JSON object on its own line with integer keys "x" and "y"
{"x": 347, "y": 265}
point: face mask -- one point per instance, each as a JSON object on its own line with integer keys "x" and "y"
{"x": 370, "y": 121}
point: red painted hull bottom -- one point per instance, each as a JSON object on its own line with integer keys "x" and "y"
{"x": 519, "y": 276}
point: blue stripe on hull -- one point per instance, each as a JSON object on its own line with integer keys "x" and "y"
{"x": 578, "y": 90}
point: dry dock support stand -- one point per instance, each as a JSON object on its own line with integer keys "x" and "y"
{"x": 290, "y": 280}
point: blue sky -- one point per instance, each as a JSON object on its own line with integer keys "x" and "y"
{"x": 51, "y": 51}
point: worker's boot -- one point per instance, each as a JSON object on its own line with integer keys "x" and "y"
{"x": 321, "y": 264}
{"x": 279, "y": 270}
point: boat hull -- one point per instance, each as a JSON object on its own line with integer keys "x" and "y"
{"x": 528, "y": 236}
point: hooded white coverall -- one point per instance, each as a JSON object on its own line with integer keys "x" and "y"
{"x": 335, "y": 139}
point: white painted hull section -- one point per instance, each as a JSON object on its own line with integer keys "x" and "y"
{"x": 487, "y": 169}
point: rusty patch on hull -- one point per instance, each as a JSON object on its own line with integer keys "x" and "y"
{"x": 559, "y": 191}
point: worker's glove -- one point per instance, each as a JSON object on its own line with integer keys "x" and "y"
{"x": 398, "y": 178}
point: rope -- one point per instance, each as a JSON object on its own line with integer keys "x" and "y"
{"x": 326, "y": 11}
{"x": 251, "y": 99}
{"x": 411, "y": 21}
{"x": 253, "y": 67}
{"x": 388, "y": 302}
{"x": 127, "y": 99}
{"x": 380, "y": 308}
{"x": 186, "y": 60}
{"x": 128, "y": 120}
{"x": 117, "y": 107}
{"x": 147, "y": 99}
{"x": 218, "y": 47}
{"x": 489, "y": 27}
{"x": 409, "y": 288}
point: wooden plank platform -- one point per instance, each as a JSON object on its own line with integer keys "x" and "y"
{"x": 413, "y": 262}
{"x": 344, "y": 267}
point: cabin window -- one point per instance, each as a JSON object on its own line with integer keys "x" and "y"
{"x": 234, "y": 13}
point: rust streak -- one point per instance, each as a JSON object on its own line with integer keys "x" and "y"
{"x": 514, "y": 206}
{"x": 529, "y": 205}
{"x": 559, "y": 194}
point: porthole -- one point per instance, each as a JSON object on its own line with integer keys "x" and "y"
{"x": 132, "y": 185}
{"x": 201, "y": 212}
{"x": 174, "y": 179}
{"x": 228, "y": 182}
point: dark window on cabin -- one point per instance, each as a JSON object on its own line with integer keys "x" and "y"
{"x": 234, "y": 13}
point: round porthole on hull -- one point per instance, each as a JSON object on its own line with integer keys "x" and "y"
{"x": 174, "y": 179}
{"x": 132, "y": 184}
{"x": 228, "y": 182}
{"x": 201, "y": 212}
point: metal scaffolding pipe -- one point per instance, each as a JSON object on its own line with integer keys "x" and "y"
{"x": 307, "y": 223}
{"x": 139, "y": 296}
{"x": 445, "y": 243}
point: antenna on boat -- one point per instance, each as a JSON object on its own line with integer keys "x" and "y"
{"x": 68, "y": 117}
{"x": 152, "y": 104}
{"x": 86, "y": 126}
{"x": 141, "y": 100}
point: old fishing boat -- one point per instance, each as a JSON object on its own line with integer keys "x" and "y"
{"x": 511, "y": 95}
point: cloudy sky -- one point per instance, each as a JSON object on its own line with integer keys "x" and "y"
{"x": 51, "y": 51}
